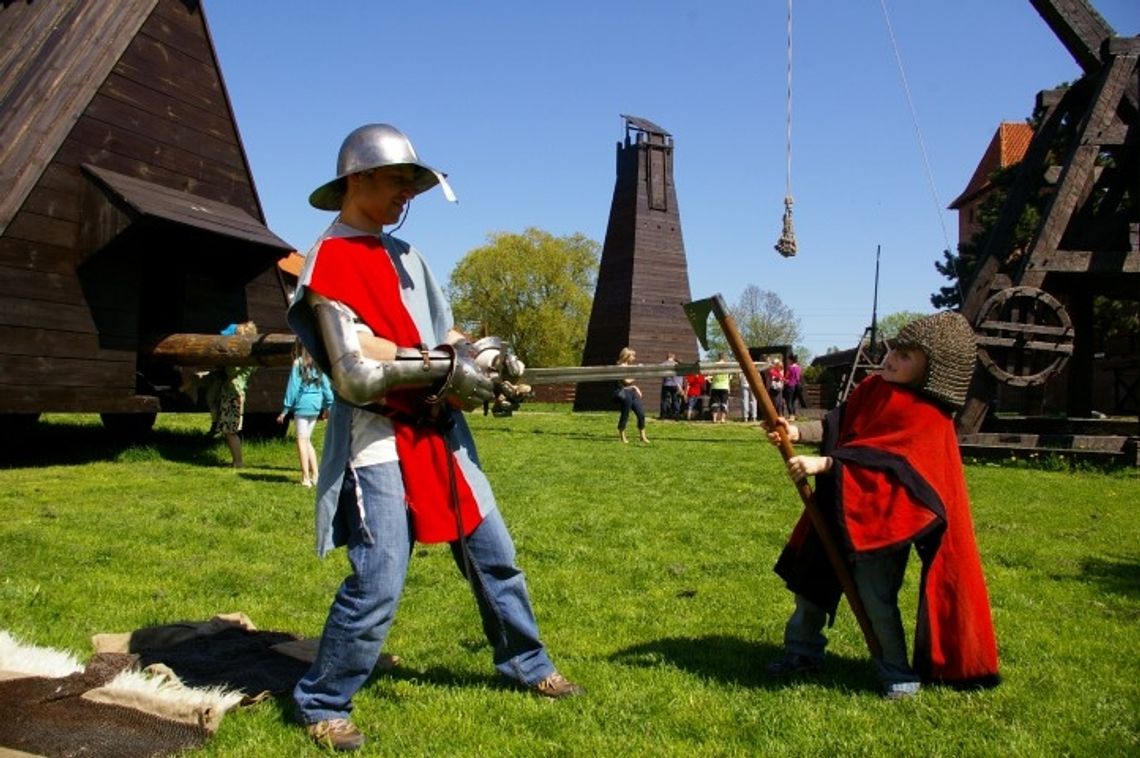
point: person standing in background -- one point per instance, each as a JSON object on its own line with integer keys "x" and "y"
{"x": 670, "y": 390}
{"x": 694, "y": 389}
{"x": 308, "y": 398}
{"x": 628, "y": 395}
{"x": 227, "y": 397}
{"x": 776, "y": 385}
{"x": 748, "y": 411}
{"x": 718, "y": 394}
{"x": 793, "y": 392}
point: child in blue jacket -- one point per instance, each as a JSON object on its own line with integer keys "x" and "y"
{"x": 308, "y": 398}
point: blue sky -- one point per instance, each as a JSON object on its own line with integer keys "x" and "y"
{"x": 519, "y": 102}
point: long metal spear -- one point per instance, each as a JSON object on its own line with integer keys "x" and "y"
{"x": 698, "y": 314}
{"x": 567, "y": 374}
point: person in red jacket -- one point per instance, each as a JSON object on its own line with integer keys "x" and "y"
{"x": 694, "y": 390}
{"x": 890, "y": 476}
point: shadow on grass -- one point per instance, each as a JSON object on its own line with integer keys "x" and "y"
{"x": 611, "y": 437}
{"x": 1121, "y": 577}
{"x": 271, "y": 478}
{"x": 742, "y": 662}
{"x": 506, "y": 431}
{"x": 73, "y": 444}
{"x": 439, "y": 676}
{"x": 434, "y": 676}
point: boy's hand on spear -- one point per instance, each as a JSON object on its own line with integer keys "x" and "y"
{"x": 800, "y": 467}
{"x": 791, "y": 431}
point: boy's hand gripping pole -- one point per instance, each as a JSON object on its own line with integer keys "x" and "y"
{"x": 698, "y": 315}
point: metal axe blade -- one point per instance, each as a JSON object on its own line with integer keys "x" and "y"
{"x": 698, "y": 314}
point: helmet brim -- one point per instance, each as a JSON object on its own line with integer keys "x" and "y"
{"x": 330, "y": 195}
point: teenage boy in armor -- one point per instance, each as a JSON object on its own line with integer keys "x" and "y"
{"x": 399, "y": 463}
{"x": 890, "y": 476}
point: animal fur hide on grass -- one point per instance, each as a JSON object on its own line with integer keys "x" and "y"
{"x": 149, "y": 692}
{"x": 51, "y": 704}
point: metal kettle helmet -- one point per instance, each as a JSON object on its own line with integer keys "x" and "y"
{"x": 373, "y": 146}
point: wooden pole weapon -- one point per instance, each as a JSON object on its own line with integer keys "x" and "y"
{"x": 698, "y": 313}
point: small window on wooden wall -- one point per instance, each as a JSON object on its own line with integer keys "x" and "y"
{"x": 655, "y": 179}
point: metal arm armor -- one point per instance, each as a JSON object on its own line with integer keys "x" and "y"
{"x": 497, "y": 358}
{"x": 361, "y": 380}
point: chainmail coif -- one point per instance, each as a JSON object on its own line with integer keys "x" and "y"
{"x": 951, "y": 350}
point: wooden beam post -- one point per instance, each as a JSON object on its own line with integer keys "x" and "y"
{"x": 216, "y": 350}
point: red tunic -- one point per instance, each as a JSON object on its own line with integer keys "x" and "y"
{"x": 357, "y": 271}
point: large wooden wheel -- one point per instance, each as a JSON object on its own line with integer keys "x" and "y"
{"x": 1025, "y": 336}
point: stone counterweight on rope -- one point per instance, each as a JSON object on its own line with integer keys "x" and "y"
{"x": 786, "y": 245}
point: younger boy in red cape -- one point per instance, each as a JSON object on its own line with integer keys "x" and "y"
{"x": 890, "y": 476}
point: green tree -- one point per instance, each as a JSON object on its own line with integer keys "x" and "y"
{"x": 762, "y": 318}
{"x": 1115, "y": 320}
{"x": 888, "y": 326}
{"x": 534, "y": 290}
{"x": 959, "y": 269}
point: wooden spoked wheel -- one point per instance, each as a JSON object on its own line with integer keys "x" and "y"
{"x": 1025, "y": 336}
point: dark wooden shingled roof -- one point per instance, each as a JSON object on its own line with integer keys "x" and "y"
{"x": 53, "y": 58}
{"x": 146, "y": 199}
{"x": 644, "y": 125}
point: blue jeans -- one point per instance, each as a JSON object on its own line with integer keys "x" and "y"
{"x": 748, "y": 409}
{"x": 670, "y": 401}
{"x": 630, "y": 400}
{"x": 878, "y": 581}
{"x": 365, "y": 606}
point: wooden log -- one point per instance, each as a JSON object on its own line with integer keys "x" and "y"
{"x": 991, "y": 326}
{"x": 1077, "y": 175}
{"x": 1079, "y": 27}
{"x": 217, "y": 350}
{"x": 103, "y": 399}
{"x": 1026, "y": 346}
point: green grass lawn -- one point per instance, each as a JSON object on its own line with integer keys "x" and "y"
{"x": 650, "y": 571}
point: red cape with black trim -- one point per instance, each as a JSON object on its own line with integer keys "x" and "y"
{"x": 898, "y": 480}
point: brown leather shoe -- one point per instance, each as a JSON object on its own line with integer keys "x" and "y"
{"x": 557, "y": 686}
{"x": 339, "y": 734}
{"x": 387, "y": 662}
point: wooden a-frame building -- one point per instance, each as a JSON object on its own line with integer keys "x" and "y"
{"x": 129, "y": 212}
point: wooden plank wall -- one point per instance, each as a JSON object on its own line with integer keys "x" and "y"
{"x": 68, "y": 333}
{"x": 53, "y": 55}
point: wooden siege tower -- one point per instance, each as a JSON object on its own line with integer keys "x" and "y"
{"x": 1032, "y": 305}
{"x": 643, "y": 279}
